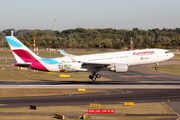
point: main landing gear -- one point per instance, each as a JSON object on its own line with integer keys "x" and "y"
{"x": 94, "y": 76}
{"x": 156, "y": 68}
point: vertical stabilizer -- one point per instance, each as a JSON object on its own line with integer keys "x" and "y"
{"x": 23, "y": 54}
{"x": 20, "y": 51}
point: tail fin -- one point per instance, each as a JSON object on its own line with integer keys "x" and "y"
{"x": 21, "y": 53}
{"x": 24, "y": 55}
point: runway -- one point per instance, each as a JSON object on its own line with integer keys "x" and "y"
{"x": 136, "y": 77}
{"x": 133, "y": 79}
{"x": 114, "y": 97}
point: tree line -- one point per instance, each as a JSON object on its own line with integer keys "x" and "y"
{"x": 97, "y": 38}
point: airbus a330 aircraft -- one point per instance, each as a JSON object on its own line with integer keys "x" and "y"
{"x": 113, "y": 61}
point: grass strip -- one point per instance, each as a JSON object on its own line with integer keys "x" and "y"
{"x": 43, "y": 92}
{"x": 30, "y": 117}
{"x": 172, "y": 69}
{"x": 138, "y": 108}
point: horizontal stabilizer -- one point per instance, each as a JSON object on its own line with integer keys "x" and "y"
{"x": 27, "y": 64}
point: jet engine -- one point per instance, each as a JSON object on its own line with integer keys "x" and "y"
{"x": 119, "y": 68}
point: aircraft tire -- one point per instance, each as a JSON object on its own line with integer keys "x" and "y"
{"x": 98, "y": 75}
{"x": 90, "y": 77}
{"x": 156, "y": 68}
{"x": 94, "y": 78}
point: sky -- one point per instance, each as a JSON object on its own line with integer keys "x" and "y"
{"x": 71, "y": 14}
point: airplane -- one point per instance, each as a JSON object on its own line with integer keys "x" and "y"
{"x": 112, "y": 61}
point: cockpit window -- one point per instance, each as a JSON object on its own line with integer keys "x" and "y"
{"x": 167, "y": 52}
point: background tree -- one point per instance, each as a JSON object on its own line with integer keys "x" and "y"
{"x": 97, "y": 38}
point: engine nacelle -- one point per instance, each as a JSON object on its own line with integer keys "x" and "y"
{"x": 119, "y": 68}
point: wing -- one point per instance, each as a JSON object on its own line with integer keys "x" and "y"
{"x": 66, "y": 54}
{"x": 94, "y": 66}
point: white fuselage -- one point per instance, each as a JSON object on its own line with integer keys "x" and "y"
{"x": 134, "y": 57}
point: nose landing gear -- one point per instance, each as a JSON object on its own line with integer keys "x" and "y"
{"x": 156, "y": 68}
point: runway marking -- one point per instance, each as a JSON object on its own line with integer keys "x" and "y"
{"x": 2, "y": 104}
{"x": 141, "y": 76}
{"x": 94, "y": 86}
{"x": 50, "y": 85}
{"x": 132, "y": 76}
{"x": 155, "y": 76}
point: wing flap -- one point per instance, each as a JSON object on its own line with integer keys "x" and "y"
{"x": 95, "y": 65}
{"x": 102, "y": 63}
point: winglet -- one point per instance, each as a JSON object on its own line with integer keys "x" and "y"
{"x": 66, "y": 54}
{"x": 62, "y": 52}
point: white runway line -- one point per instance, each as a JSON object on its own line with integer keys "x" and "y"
{"x": 92, "y": 86}
{"x": 51, "y": 85}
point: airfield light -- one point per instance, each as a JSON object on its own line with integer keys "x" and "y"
{"x": 34, "y": 46}
{"x": 131, "y": 44}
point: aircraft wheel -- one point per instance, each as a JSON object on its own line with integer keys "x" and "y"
{"x": 98, "y": 75}
{"x": 94, "y": 78}
{"x": 90, "y": 76}
{"x": 94, "y": 73}
{"x": 156, "y": 68}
